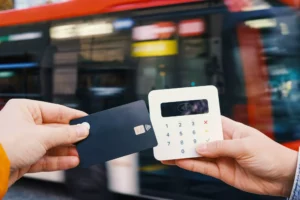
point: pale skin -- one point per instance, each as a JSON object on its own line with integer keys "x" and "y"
{"x": 247, "y": 160}
{"x": 37, "y": 137}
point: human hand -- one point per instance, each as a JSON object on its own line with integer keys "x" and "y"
{"x": 247, "y": 160}
{"x": 36, "y": 137}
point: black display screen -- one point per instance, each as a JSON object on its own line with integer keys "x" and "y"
{"x": 182, "y": 108}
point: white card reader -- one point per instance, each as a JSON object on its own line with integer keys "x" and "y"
{"x": 183, "y": 118}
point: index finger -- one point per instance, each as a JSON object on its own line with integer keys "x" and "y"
{"x": 54, "y": 113}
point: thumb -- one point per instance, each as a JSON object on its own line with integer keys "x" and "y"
{"x": 64, "y": 135}
{"x": 222, "y": 148}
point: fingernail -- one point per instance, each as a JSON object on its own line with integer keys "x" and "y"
{"x": 202, "y": 148}
{"x": 87, "y": 125}
{"x": 74, "y": 161}
{"x": 82, "y": 130}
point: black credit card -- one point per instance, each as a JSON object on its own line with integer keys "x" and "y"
{"x": 115, "y": 133}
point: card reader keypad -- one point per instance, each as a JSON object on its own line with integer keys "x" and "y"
{"x": 184, "y": 135}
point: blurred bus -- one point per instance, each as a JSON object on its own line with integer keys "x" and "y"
{"x": 96, "y": 62}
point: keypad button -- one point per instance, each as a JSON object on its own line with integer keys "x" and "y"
{"x": 205, "y": 121}
{"x": 195, "y": 141}
{"x": 194, "y": 132}
{"x": 182, "y": 151}
{"x": 193, "y": 123}
{"x": 168, "y": 134}
{"x": 181, "y": 142}
{"x": 167, "y": 125}
{"x": 169, "y": 143}
{"x": 179, "y": 124}
{"x": 180, "y": 133}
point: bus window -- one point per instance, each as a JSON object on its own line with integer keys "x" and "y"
{"x": 155, "y": 49}
{"x": 97, "y": 64}
{"x": 195, "y": 66}
{"x": 19, "y": 77}
{"x": 268, "y": 62}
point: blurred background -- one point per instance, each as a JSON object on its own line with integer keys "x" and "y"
{"x": 94, "y": 58}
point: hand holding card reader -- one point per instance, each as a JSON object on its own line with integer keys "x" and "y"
{"x": 183, "y": 118}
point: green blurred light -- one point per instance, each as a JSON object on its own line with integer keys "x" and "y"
{"x": 6, "y": 74}
{"x": 3, "y": 39}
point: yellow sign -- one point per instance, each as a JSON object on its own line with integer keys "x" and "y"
{"x": 154, "y": 48}
{"x": 6, "y": 4}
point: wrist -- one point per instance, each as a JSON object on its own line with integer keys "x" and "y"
{"x": 290, "y": 169}
{"x": 12, "y": 179}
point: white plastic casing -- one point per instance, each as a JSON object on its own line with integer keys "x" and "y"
{"x": 179, "y": 136}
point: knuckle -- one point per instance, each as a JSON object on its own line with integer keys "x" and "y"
{"x": 205, "y": 169}
{"x": 240, "y": 126}
{"x": 57, "y": 164}
{"x": 36, "y": 114}
{"x": 69, "y": 134}
{"x": 218, "y": 145}
{"x": 44, "y": 164}
{"x": 60, "y": 114}
{"x": 193, "y": 167}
